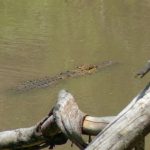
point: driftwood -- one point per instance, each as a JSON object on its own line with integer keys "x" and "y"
{"x": 65, "y": 121}
{"x": 128, "y": 128}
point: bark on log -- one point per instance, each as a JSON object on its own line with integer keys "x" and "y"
{"x": 65, "y": 120}
{"x": 128, "y": 127}
{"x": 48, "y": 132}
{"x": 140, "y": 145}
{"x": 19, "y": 137}
{"x": 94, "y": 125}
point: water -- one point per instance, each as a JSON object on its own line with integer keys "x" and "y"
{"x": 42, "y": 38}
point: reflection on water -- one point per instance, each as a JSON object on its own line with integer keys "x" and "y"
{"x": 42, "y": 38}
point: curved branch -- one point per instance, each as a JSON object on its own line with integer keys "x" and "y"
{"x": 129, "y": 127}
{"x": 49, "y": 131}
{"x": 94, "y": 125}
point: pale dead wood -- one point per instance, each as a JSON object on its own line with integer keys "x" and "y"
{"x": 48, "y": 132}
{"x": 133, "y": 122}
{"x": 94, "y": 125}
{"x": 66, "y": 121}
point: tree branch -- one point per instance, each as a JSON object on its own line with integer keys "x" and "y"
{"x": 132, "y": 124}
{"x": 50, "y": 132}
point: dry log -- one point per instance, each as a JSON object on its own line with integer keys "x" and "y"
{"x": 132, "y": 124}
{"x": 94, "y": 125}
{"x": 65, "y": 121}
{"x": 19, "y": 137}
{"x": 48, "y": 132}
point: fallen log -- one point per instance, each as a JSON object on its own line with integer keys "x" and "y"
{"x": 94, "y": 125}
{"x": 128, "y": 128}
{"x": 50, "y": 131}
{"x": 66, "y": 121}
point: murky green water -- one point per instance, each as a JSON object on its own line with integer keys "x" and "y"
{"x": 39, "y": 38}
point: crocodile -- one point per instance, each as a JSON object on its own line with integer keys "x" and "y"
{"x": 49, "y": 81}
